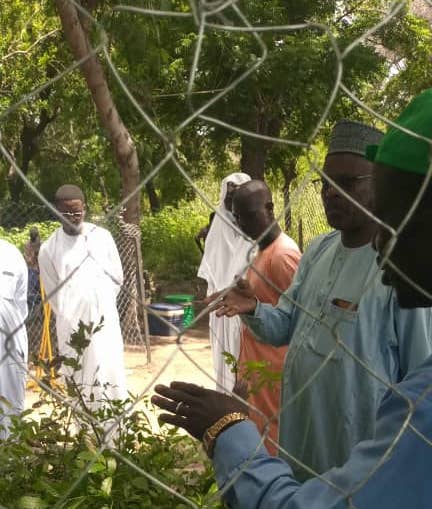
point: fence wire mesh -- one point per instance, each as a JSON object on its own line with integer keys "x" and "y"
{"x": 228, "y": 17}
{"x": 16, "y": 221}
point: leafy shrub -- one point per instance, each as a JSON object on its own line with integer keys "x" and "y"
{"x": 19, "y": 236}
{"x": 54, "y": 459}
{"x": 42, "y": 465}
{"x": 168, "y": 246}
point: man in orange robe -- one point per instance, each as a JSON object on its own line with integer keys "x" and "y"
{"x": 269, "y": 276}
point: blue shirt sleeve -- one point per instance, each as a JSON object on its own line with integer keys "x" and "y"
{"x": 270, "y": 324}
{"x": 413, "y": 332}
{"x": 390, "y": 472}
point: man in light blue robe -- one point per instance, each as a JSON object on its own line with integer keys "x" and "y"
{"x": 392, "y": 470}
{"x": 337, "y": 312}
{"x": 329, "y": 400}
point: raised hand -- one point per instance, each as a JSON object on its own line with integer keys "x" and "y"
{"x": 194, "y": 408}
{"x": 239, "y": 300}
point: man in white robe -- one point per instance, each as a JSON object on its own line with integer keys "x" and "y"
{"x": 225, "y": 256}
{"x": 13, "y": 334}
{"x": 82, "y": 275}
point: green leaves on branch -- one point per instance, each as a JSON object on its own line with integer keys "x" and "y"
{"x": 257, "y": 374}
{"x": 53, "y": 455}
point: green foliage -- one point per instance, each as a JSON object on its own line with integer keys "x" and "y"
{"x": 53, "y": 456}
{"x": 19, "y": 236}
{"x": 257, "y": 374}
{"x": 54, "y": 134}
{"x": 168, "y": 246}
{"x": 284, "y": 97}
{"x": 43, "y": 459}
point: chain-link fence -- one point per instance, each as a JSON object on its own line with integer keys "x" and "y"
{"x": 102, "y": 462}
{"x": 308, "y": 217}
{"x": 16, "y": 221}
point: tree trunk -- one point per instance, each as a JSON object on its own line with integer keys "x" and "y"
{"x": 23, "y": 155}
{"x": 76, "y": 29}
{"x": 31, "y": 133}
{"x": 253, "y": 157}
{"x": 254, "y": 151}
{"x": 76, "y": 33}
{"x": 153, "y": 197}
{"x": 289, "y": 173}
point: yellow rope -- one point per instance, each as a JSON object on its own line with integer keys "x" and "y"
{"x": 45, "y": 350}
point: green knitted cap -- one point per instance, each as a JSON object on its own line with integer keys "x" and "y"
{"x": 401, "y": 150}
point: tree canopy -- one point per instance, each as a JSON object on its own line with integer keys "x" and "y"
{"x": 54, "y": 133}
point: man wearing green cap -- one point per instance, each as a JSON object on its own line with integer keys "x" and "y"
{"x": 391, "y": 471}
{"x": 329, "y": 401}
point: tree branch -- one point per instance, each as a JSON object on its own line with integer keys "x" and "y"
{"x": 30, "y": 48}
{"x": 349, "y": 11}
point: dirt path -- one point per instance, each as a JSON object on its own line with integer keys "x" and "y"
{"x": 142, "y": 376}
{"x": 196, "y": 345}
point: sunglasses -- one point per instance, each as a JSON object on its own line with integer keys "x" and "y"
{"x": 72, "y": 215}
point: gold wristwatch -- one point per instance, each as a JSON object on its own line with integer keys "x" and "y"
{"x": 216, "y": 429}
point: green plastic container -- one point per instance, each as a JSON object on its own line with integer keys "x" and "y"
{"x": 186, "y": 301}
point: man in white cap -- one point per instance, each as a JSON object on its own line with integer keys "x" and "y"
{"x": 329, "y": 400}
{"x": 13, "y": 334}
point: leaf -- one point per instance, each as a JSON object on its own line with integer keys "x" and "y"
{"x": 44, "y": 486}
{"x": 111, "y": 465}
{"x": 29, "y": 502}
{"x": 140, "y": 483}
{"x": 106, "y": 486}
{"x": 96, "y": 467}
{"x": 86, "y": 457}
{"x": 5, "y": 402}
{"x": 76, "y": 503}
{"x": 166, "y": 5}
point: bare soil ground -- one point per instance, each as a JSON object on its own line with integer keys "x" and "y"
{"x": 168, "y": 362}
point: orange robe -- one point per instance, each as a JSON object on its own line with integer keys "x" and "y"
{"x": 278, "y": 263}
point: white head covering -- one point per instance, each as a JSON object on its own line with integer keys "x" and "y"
{"x": 226, "y": 251}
